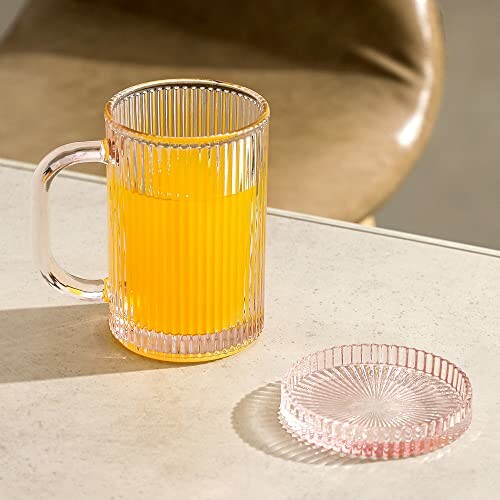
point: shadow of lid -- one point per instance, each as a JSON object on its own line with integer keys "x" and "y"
{"x": 255, "y": 420}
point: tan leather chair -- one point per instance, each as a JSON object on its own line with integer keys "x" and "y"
{"x": 353, "y": 86}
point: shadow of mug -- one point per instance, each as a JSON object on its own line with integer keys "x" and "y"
{"x": 65, "y": 341}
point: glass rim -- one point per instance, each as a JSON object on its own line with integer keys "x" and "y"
{"x": 192, "y": 141}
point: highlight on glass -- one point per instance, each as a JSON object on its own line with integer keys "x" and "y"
{"x": 187, "y": 179}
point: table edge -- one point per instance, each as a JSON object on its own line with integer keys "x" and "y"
{"x": 313, "y": 219}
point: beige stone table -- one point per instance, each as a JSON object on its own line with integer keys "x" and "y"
{"x": 81, "y": 417}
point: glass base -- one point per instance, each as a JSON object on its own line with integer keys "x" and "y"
{"x": 376, "y": 401}
{"x": 184, "y": 348}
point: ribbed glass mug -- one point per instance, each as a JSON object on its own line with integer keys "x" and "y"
{"x": 187, "y": 177}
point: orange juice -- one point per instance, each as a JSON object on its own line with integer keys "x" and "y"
{"x": 182, "y": 243}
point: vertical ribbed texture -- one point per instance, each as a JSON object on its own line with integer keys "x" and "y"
{"x": 187, "y": 222}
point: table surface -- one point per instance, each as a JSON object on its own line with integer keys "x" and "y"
{"x": 83, "y": 417}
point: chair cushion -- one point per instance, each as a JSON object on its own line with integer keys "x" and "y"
{"x": 343, "y": 136}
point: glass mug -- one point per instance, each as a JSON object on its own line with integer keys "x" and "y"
{"x": 187, "y": 180}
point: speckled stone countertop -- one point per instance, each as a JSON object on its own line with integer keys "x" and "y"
{"x": 81, "y": 417}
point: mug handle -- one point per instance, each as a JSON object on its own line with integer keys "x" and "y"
{"x": 53, "y": 163}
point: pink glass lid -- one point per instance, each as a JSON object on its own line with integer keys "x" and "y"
{"x": 376, "y": 400}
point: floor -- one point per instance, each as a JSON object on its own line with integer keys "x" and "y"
{"x": 8, "y": 11}
{"x": 454, "y": 190}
